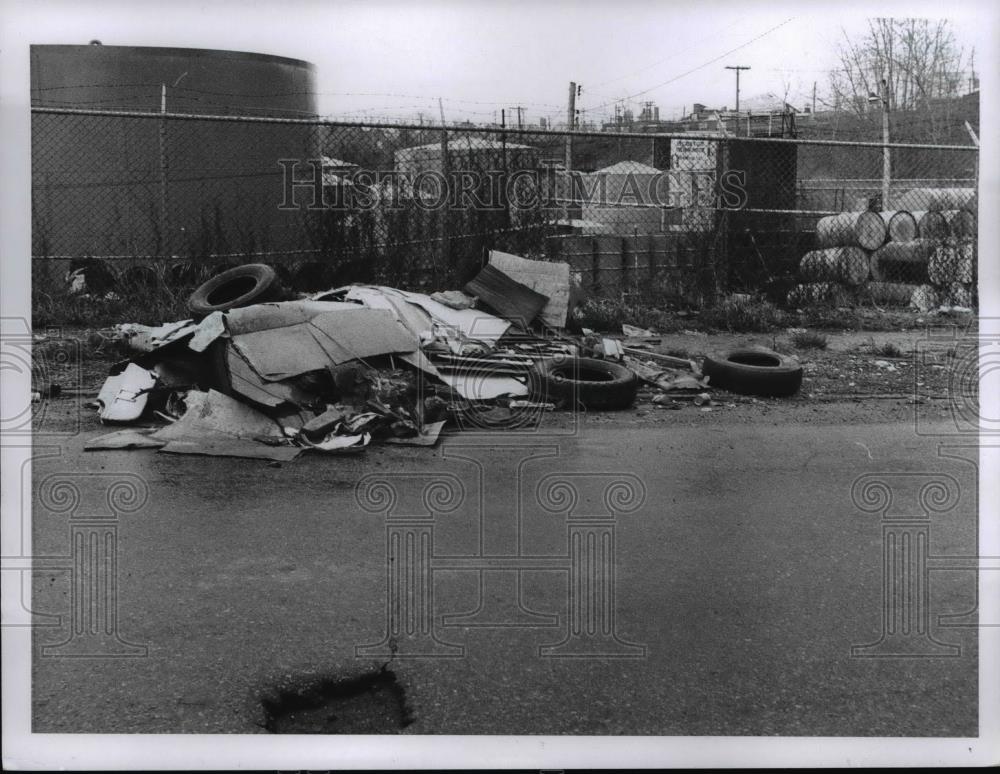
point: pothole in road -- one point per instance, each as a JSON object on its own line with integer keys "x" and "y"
{"x": 372, "y": 703}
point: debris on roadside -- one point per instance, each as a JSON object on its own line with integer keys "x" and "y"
{"x": 124, "y": 395}
{"x": 549, "y": 278}
{"x": 456, "y": 299}
{"x": 255, "y": 373}
{"x": 676, "y": 362}
{"x": 754, "y": 371}
{"x": 643, "y": 334}
{"x": 130, "y": 438}
{"x": 601, "y": 347}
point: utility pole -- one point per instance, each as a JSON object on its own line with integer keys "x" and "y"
{"x": 164, "y": 241}
{"x": 737, "y": 68}
{"x": 886, "y": 160}
{"x": 814, "y": 100}
{"x": 503, "y": 161}
{"x": 570, "y": 124}
{"x": 443, "y": 217}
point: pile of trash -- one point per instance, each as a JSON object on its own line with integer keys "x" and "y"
{"x": 257, "y": 374}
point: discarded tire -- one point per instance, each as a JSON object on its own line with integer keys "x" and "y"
{"x": 754, "y": 371}
{"x": 253, "y": 283}
{"x": 593, "y": 384}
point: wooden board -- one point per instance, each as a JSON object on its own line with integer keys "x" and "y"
{"x": 550, "y": 278}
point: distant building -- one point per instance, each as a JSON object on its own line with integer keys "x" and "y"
{"x": 465, "y": 153}
{"x": 625, "y": 198}
{"x": 337, "y": 172}
{"x": 762, "y": 116}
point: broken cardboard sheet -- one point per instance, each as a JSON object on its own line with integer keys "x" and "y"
{"x": 323, "y": 424}
{"x": 123, "y": 397}
{"x": 245, "y": 381}
{"x": 259, "y": 317}
{"x": 341, "y": 444}
{"x": 633, "y": 332}
{"x": 146, "y": 338}
{"x": 412, "y": 317}
{"x": 219, "y": 426}
{"x": 471, "y": 323}
{"x": 123, "y": 439}
{"x": 211, "y": 414}
{"x": 476, "y": 386}
{"x": 207, "y": 331}
{"x": 289, "y": 339}
{"x": 509, "y": 298}
{"x": 550, "y": 278}
{"x": 453, "y": 299}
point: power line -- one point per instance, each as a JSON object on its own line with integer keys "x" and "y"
{"x": 667, "y": 59}
{"x": 699, "y": 67}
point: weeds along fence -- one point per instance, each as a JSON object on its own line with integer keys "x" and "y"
{"x": 153, "y": 203}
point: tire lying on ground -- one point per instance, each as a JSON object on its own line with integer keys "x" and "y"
{"x": 253, "y": 283}
{"x": 754, "y": 371}
{"x": 599, "y": 385}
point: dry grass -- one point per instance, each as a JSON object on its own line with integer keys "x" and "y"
{"x": 149, "y": 295}
{"x": 888, "y": 350}
{"x": 809, "y": 340}
{"x": 743, "y": 316}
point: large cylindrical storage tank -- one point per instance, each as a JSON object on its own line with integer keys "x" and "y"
{"x": 139, "y": 187}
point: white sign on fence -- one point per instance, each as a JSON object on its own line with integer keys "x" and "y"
{"x": 690, "y": 155}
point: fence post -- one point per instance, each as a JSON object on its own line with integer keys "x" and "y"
{"x": 719, "y": 247}
{"x": 443, "y": 219}
{"x": 164, "y": 220}
{"x": 626, "y": 269}
{"x": 595, "y": 266}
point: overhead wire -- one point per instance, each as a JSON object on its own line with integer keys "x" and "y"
{"x": 699, "y": 67}
{"x": 666, "y": 59}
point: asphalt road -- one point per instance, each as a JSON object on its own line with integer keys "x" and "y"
{"x": 743, "y": 575}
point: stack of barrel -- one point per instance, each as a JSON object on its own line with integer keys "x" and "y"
{"x": 921, "y": 254}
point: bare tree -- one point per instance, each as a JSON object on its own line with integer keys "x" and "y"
{"x": 920, "y": 60}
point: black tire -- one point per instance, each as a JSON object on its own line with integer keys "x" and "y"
{"x": 253, "y": 283}
{"x": 599, "y": 385}
{"x": 754, "y": 371}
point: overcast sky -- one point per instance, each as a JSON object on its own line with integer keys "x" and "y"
{"x": 384, "y": 59}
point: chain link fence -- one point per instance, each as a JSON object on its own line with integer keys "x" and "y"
{"x": 159, "y": 202}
